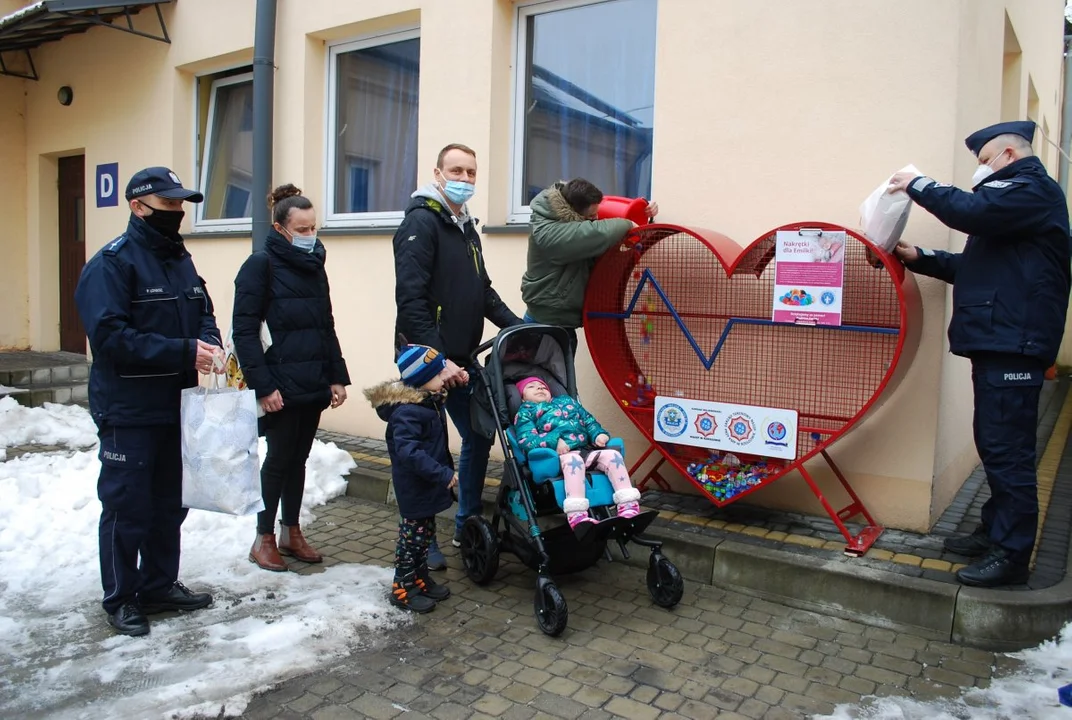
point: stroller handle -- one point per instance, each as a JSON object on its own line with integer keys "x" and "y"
{"x": 482, "y": 347}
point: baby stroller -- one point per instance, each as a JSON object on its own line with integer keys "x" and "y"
{"x": 528, "y": 520}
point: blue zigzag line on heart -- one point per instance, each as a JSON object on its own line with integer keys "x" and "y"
{"x": 708, "y": 362}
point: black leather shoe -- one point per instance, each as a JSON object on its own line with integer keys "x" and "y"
{"x": 129, "y": 620}
{"x": 995, "y": 570}
{"x": 974, "y": 545}
{"x": 177, "y": 597}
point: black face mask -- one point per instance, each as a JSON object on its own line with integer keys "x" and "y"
{"x": 165, "y": 222}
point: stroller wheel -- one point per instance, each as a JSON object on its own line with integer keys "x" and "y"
{"x": 550, "y": 608}
{"x": 480, "y": 550}
{"x": 665, "y": 584}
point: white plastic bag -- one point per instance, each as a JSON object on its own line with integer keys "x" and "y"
{"x": 220, "y": 467}
{"x": 883, "y": 215}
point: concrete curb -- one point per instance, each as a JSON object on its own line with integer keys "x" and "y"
{"x": 1007, "y": 620}
{"x": 996, "y": 620}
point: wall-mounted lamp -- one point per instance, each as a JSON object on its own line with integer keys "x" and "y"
{"x": 65, "y": 95}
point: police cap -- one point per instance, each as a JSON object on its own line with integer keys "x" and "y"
{"x": 979, "y": 138}
{"x": 160, "y": 181}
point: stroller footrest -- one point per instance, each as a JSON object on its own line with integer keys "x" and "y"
{"x": 597, "y": 489}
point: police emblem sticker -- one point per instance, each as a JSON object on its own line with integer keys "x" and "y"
{"x": 671, "y": 420}
{"x": 174, "y": 178}
{"x": 705, "y": 424}
{"x": 740, "y": 428}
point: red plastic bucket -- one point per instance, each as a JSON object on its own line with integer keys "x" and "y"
{"x": 622, "y": 207}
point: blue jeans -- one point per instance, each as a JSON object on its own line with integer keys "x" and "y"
{"x": 473, "y": 464}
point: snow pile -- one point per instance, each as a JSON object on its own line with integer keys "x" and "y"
{"x": 1028, "y": 694}
{"x": 60, "y": 658}
{"x": 65, "y": 425}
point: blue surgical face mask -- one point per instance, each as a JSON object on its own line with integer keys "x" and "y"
{"x": 457, "y": 191}
{"x": 304, "y": 242}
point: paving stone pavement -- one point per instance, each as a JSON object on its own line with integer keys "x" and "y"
{"x": 719, "y": 654}
{"x": 903, "y": 552}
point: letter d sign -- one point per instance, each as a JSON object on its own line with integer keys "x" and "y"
{"x": 108, "y": 185}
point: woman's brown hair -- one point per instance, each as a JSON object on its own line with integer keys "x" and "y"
{"x": 284, "y": 199}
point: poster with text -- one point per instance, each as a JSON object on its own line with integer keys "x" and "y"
{"x": 809, "y": 276}
{"x": 763, "y": 431}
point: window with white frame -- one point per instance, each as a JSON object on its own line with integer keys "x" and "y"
{"x": 372, "y": 129}
{"x": 584, "y": 97}
{"x": 225, "y": 151}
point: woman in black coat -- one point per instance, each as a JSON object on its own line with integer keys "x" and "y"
{"x": 300, "y": 372}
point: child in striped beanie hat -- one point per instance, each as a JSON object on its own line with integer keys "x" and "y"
{"x": 422, "y": 469}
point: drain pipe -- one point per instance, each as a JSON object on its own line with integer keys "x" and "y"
{"x": 263, "y": 102}
{"x": 1066, "y": 119}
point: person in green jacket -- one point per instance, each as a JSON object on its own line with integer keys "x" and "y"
{"x": 565, "y": 239}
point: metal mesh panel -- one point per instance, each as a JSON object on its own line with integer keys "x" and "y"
{"x": 664, "y": 314}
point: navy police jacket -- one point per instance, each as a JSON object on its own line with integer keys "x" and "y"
{"x": 1011, "y": 282}
{"x": 144, "y": 307}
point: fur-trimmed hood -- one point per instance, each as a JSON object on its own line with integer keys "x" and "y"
{"x": 552, "y": 205}
{"x": 386, "y": 396}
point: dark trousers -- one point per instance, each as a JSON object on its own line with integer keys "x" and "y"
{"x": 414, "y": 537}
{"x": 140, "y": 489}
{"x": 1005, "y": 423}
{"x": 473, "y": 458}
{"x": 289, "y": 434}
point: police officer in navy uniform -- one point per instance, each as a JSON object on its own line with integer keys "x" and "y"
{"x": 151, "y": 329}
{"x": 1010, "y": 296}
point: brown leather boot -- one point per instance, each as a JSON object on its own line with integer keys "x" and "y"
{"x": 266, "y": 555}
{"x": 292, "y": 542}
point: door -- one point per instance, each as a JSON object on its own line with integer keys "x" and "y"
{"x": 72, "y": 203}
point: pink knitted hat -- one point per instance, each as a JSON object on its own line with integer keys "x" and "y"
{"x": 521, "y": 385}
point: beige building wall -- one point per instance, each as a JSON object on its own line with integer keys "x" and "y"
{"x": 766, "y": 113}
{"x": 14, "y": 321}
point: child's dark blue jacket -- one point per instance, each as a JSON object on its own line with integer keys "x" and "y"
{"x": 421, "y": 464}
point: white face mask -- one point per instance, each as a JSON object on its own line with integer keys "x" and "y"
{"x": 984, "y": 171}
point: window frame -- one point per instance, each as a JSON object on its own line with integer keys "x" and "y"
{"x": 333, "y": 219}
{"x": 517, "y": 211}
{"x": 201, "y": 163}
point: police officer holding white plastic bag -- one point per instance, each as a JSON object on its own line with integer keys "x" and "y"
{"x": 151, "y": 328}
{"x": 1010, "y": 297}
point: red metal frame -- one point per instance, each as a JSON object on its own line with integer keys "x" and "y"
{"x": 612, "y": 341}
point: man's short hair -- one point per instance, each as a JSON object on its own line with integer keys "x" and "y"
{"x": 454, "y": 146}
{"x": 1017, "y": 142}
{"x": 581, "y": 194}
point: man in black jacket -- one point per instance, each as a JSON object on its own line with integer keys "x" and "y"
{"x": 442, "y": 296}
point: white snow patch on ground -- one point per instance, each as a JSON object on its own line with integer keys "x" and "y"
{"x": 1028, "y": 694}
{"x": 60, "y": 658}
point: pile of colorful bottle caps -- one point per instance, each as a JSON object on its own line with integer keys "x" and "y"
{"x": 724, "y": 476}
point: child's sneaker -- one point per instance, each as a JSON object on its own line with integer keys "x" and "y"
{"x": 628, "y": 501}
{"x": 406, "y": 595}
{"x": 429, "y": 587}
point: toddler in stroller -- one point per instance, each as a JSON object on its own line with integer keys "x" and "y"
{"x": 530, "y": 372}
{"x": 562, "y": 423}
